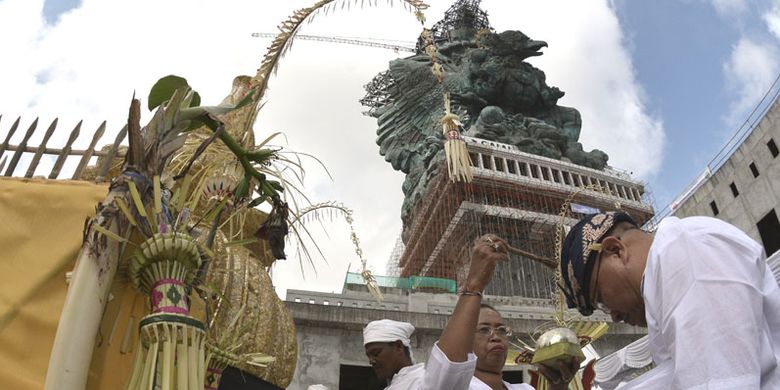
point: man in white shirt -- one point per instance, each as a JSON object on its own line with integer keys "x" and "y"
{"x": 472, "y": 350}
{"x": 387, "y": 345}
{"x": 700, "y": 286}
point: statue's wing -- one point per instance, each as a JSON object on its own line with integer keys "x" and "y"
{"x": 407, "y": 102}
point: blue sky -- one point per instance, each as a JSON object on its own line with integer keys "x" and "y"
{"x": 53, "y": 9}
{"x": 680, "y": 50}
{"x": 661, "y": 84}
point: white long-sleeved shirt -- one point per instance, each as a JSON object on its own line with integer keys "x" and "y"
{"x": 408, "y": 378}
{"x": 443, "y": 374}
{"x": 712, "y": 308}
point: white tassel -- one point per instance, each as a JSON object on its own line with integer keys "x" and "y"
{"x": 373, "y": 288}
{"x": 455, "y": 149}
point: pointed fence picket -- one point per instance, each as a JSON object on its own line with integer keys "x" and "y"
{"x": 63, "y": 153}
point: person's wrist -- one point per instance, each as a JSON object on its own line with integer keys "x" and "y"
{"x": 473, "y": 286}
{"x": 466, "y": 293}
{"x": 470, "y": 291}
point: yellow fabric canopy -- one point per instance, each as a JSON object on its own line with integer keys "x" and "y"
{"x": 40, "y": 236}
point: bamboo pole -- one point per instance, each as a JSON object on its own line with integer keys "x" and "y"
{"x": 84, "y": 304}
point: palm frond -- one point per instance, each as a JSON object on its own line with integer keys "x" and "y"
{"x": 298, "y": 154}
{"x": 317, "y": 212}
{"x": 283, "y": 41}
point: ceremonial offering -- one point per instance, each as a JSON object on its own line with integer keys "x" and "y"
{"x": 557, "y": 345}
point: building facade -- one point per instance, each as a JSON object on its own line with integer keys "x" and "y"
{"x": 744, "y": 189}
{"x": 516, "y": 195}
{"x": 330, "y": 339}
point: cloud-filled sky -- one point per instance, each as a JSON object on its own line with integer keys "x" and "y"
{"x": 660, "y": 85}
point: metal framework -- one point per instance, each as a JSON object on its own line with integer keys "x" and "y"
{"x": 515, "y": 203}
{"x": 464, "y": 14}
{"x": 378, "y": 92}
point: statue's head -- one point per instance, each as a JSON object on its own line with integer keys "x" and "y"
{"x": 513, "y": 43}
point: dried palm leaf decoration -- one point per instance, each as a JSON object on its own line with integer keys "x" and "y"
{"x": 174, "y": 348}
{"x": 171, "y": 349}
{"x": 455, "y": 149}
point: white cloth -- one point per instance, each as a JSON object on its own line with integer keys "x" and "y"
{"x": 388, "y": 331}
{"x": 408, "y": 378}
{"x": 477, "y": 384}
{"x": 443, "y": 374}
{"x": 712, "y": 308}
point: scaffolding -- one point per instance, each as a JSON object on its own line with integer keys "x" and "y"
{"x": 464, "y": 15}
{"x": 517, "y": 196}
{"x": 378, "y": 93}
{"x": 393, "y": 268}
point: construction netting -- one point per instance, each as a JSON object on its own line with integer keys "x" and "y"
{"x": 422, "y": 283}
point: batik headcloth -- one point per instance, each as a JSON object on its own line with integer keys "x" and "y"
{"x": 579, "y": 253}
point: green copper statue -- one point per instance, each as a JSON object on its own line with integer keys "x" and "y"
{"x": 497, "y": 95}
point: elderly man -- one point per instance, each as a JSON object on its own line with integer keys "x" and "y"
{"x": 388, "y": 350}
{"x": 478, "y": 327}
{"x": 700, "y": 286}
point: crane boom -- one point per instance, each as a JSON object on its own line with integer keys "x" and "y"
{"x": 348, "y": 41}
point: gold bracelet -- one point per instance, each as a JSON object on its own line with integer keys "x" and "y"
{"x": 470, "y": 293}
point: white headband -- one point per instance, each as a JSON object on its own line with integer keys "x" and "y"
{"x": 388, "y": 331}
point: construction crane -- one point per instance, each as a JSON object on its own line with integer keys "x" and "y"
{"x": 399, "y": 46}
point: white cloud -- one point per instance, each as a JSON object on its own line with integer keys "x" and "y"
{"x": 749, "y": 72}
{"x": 588, "y": 60}
{"x": 88, "y": 65}
{"x": 772, "y": 19}
{"x": 730, "y": 8}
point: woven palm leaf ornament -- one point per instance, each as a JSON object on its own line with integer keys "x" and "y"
{"x": 171, "y": 350}
{"x": 176, "y": 350}
{"x": 222, "y": 185}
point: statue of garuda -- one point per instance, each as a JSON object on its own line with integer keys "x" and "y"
{"x": 497, "y": 95}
